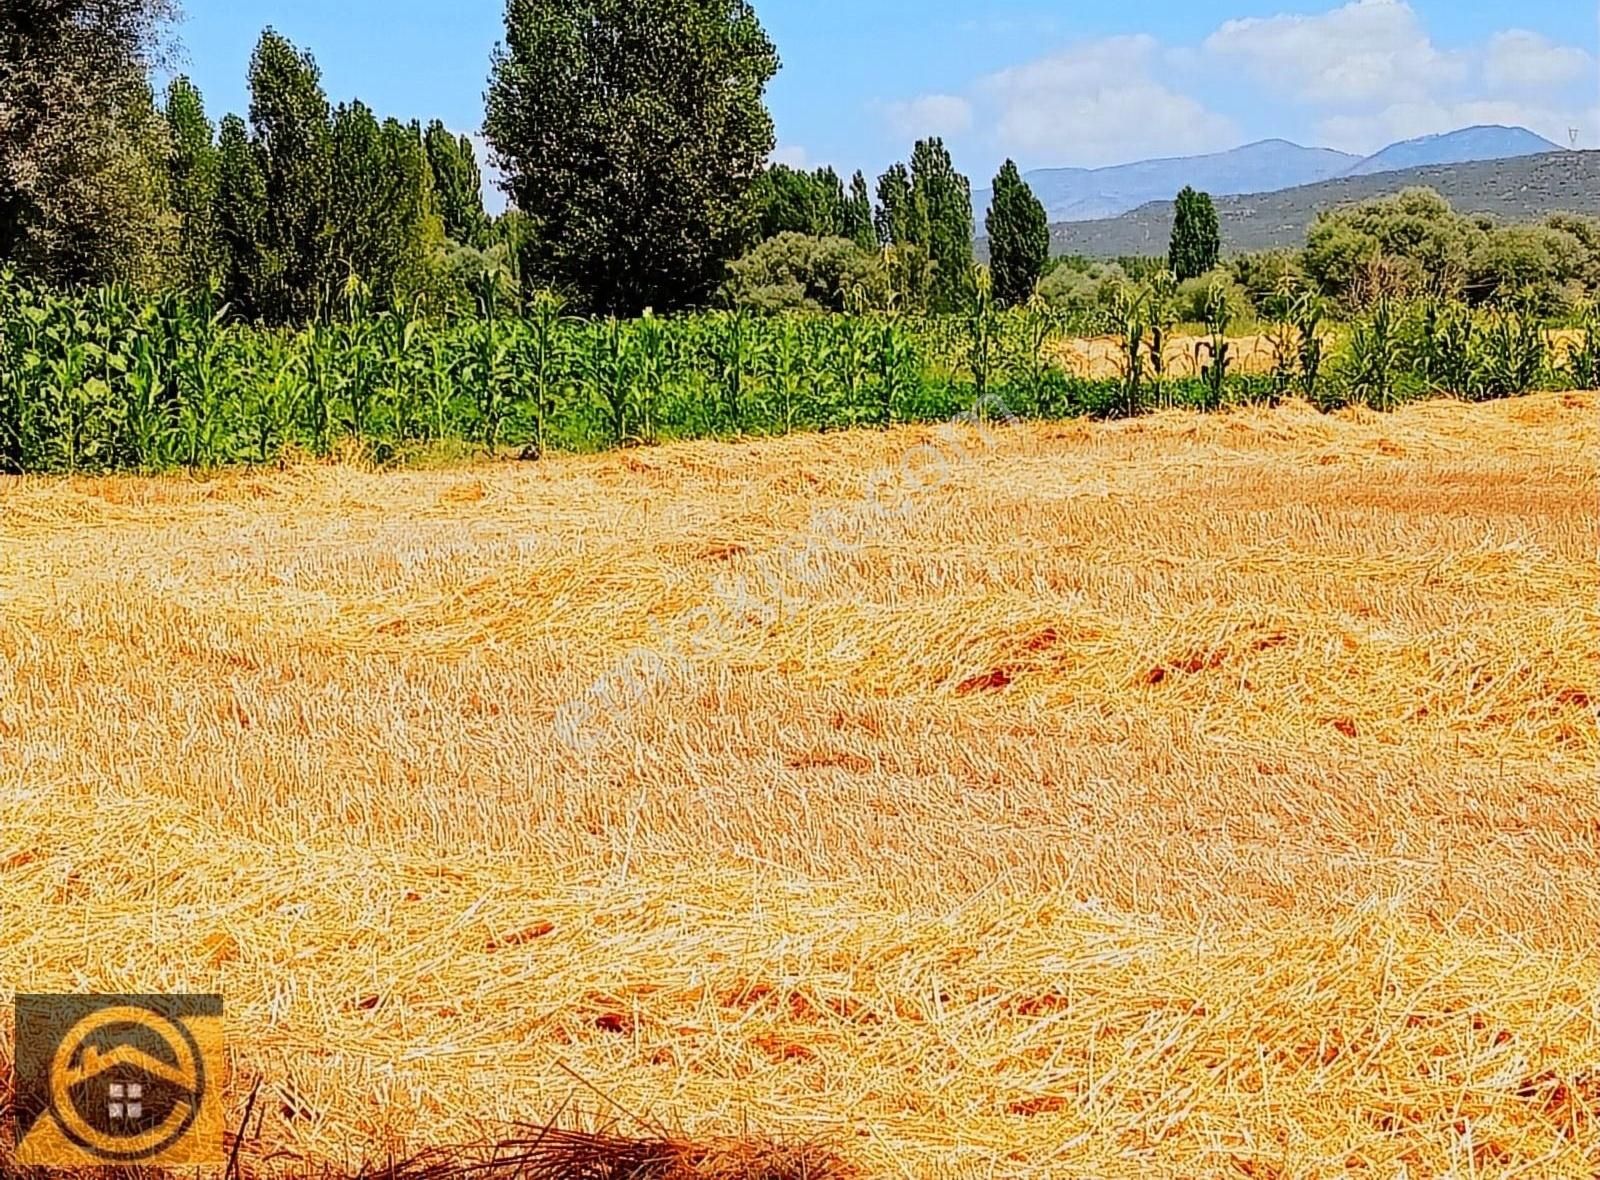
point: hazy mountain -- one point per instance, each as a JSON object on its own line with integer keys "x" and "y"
{"x": 1088, "y": 194}
{"x": 1456, "y": 147}
{"x": 1521, "y": 189}
{"x": 1082, "y": 194}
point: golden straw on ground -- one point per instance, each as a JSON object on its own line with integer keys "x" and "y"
{"x": 1186, "y": 796}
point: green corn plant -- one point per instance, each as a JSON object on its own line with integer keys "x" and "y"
{"x": 1128, "y": 313}
{"x": 1306, "y": 312}
{"x": 320, "y": 355}
{"x": 1376, "y": 357}
{"x": 398, "y": 364}
{"x": 1214, "y": 373}
{"x": 733, "y": 355}
{"x": 438, "y": 387}
{"x": 278, "y": 389}
{"x": 1583, "y": 360}
{"x": 607, "y": 372}
{"x": 786, "y": 375}
{"x": 896, "y": 365}
{"x": 1515, "y": 352}
{"x": 649, "y": 370}
{"x": 148, "y": 428}
{"x": 849, "y": 348}
{"x": 539, "y": 360}
{"x": 1160, "y": 317}
{"x": 983, "y": 327}
{"x": 1444, "y": 347}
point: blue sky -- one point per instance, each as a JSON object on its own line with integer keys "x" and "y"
{"x": 1049, "y": 84}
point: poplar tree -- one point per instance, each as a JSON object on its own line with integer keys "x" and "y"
{"x": 195, "y": 172}
{"x": 1019, "y": 237}
{"x": 1196, "y": 237}
{"x": 292, "y": 142}
{"x": 457, "y": 186}
{"x": 630, "y": 132}
{"x": 946, "y": 197}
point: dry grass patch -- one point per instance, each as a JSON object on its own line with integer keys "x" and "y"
{"x": 1187, "y": 796}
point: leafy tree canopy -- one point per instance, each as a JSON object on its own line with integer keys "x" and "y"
{"x": 630, "y": 132}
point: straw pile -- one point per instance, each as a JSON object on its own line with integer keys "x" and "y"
{"x": 1179, "y": 797}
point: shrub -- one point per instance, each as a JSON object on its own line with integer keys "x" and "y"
{"x": 1195, "y": 299}
{"x": 797, "y": 272}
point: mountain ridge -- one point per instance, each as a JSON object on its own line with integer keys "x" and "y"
{"x": 1517, "y": 189}
{"x": 1266, "y": 165}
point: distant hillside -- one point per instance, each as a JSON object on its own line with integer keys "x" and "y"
{"x": 1522, "y": 189}
{"x": 1092, "y": 194}
{"x": 1082, "y": 194}
{"x": 1456, "y": 147}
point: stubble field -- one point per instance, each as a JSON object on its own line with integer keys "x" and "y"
{"x": 1184, "y": 796}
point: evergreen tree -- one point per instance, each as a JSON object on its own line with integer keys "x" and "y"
{"x": 1196, "y": 237}
{"x": 457, "y": 186}
{"x": 293, "y": 145}
{"x": 240, "y": 217}
{"x": 630, "y": 132}
{"x": 1019, "y": 237}
{"x": 946, "y": 198}
{"x": 195, "y": 173}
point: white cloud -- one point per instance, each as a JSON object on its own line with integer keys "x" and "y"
{"x": 1098, "y": 103}
{"x": 1519, "y": 60}
{"x": 929, "y": 114}
{"x": 1366, "y": 51}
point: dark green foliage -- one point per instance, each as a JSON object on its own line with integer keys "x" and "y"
{"x": 457, "y": 186}
{"x": 380, "y": 200}
{"x": 946, "y": 198}
{"x": 194, "y": 169}
{"x": 1019, "y": 237}
{"x": 1196, "y": 236}
{"x": 899, "y": 219}
{"x": 293, "y": 146}
{"x": 925, "y": 212}
{"x": 789, "y": 201}
{"x": 241, "y": 218}
{"x": 857, "y": 224}
{"x": 83, "y": 153}
{"x": 630, "y": 132}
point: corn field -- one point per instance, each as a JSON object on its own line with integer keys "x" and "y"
{"x": 106, "y": 380}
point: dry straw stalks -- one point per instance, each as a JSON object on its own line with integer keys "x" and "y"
{"x": 1186, "y": 796}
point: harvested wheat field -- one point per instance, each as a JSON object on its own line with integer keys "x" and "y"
{"x": 1179, "y": 797}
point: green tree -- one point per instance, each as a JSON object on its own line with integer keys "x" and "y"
{"x": 1196, "y": 236}
{"x": 195, "y": 173}
{"x": 857, "y": 224}
{"x": 83, "y": 179}
{"x": 790, "y": 201}
{"x": 899, "y": 220}
{"x": 292, "y": 142}
{"x": 380, "y": 203}
{"x": 1413, "y": 237}
{"x": 240, "y": 216}
{"x": 630, "y": 132}
{"x": 1019, "y": 237}
{"x": 946, "y": 197}
{"x": 457, "y": 186}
